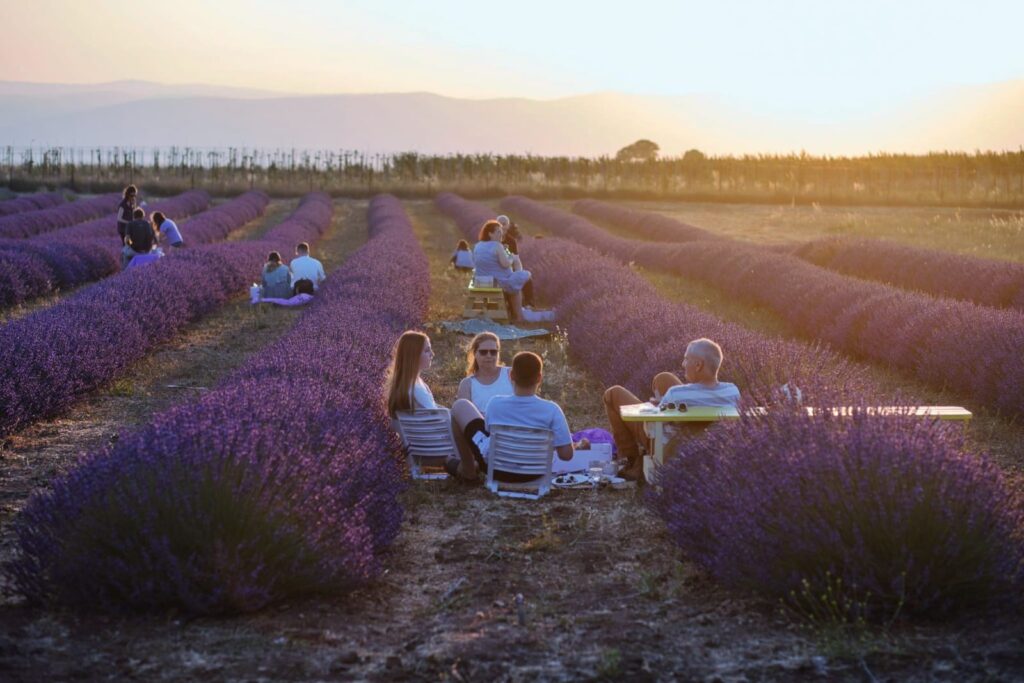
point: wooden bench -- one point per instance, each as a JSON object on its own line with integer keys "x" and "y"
{"x": 647, "y": 412}
{"x": 485, "y": 302}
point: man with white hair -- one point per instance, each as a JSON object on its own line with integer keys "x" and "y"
{"x": 701, "y": 363}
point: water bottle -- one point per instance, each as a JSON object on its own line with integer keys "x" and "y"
{"x": 254, "y": 293}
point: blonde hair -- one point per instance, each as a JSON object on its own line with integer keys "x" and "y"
{"x": 405, "y": 368}
{"x": 474, "y": 344}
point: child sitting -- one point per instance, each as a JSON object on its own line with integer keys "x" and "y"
{"x": 462, "y": 257}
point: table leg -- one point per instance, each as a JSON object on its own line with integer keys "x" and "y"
{"x": 659, "y": 445}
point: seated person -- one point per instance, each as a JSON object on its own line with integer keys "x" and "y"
{"x": 406, "y": 391}
{"x": 510, "y": 238}
{"x": 701, "y": 363}
{"x": 307, "y": 272}
{"x": 276, "y": 279}
{"x": 525, "y": 408}
{"x": 140, "y": 238}
{"x": 486, "y": 377}
{"x": 492, "y": 260}
{"x": 462, "y": 257}
{"x": 167, "y": 230}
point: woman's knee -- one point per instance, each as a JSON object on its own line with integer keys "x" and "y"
{"x": 464, "y": 412}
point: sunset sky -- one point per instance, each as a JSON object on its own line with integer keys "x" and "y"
{"x": 818, "y": 57}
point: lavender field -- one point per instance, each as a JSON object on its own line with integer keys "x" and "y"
{"x": 189, "y": 490}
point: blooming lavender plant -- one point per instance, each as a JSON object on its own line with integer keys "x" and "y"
{"x": 983, "y": 281}
{"x": 106, "y": 328}
{"x": 31, "y": 202}
{"x": 924, "y": 336}
{"x": 891, "y": 510}
{"x": 283, "y": 480}
{"x": 625, "y": 332}
{"x": 88, "y": 251}
{"x": 30, "y": 223}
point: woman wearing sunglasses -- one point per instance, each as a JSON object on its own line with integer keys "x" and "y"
{"x": 486, "y": 376}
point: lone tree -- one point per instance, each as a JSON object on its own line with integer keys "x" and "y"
{"x": 641, "y": 150}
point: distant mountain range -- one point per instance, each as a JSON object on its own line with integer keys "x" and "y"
{"x": 143, "y": 114}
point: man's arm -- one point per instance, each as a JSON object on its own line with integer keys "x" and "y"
{"x": 565, "y": 452}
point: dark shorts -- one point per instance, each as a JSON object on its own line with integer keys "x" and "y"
{"x": 479, "y": 441}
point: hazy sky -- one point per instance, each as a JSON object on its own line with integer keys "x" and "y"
{"x": 818, "y": 56}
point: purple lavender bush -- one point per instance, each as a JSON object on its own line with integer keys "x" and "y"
{"x": 983, "y": 281}
{"x": 892, "y": 511}
{"x": 69, "y": 349}
{"x": 31, "y": 202}
{"x": 923, "y": 336}
{"x": 89, "y": 251}
{"x": 621, "y": 329}
{"x": 30, "y": 223}
{"x": 644, "y": 224}
{"x": 281, "y": 481}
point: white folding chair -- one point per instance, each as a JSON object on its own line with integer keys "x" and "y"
{"x": 520, "y": 450}
{"x": 428, "y": 440}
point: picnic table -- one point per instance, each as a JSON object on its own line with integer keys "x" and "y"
{"x": 650, "y": 413}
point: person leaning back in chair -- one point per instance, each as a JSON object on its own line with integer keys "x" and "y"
{"x": 307, "y": 272}
{"x": 701, "y": 363}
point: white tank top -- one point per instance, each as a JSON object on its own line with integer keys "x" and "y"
{"x": 481, "y": 394}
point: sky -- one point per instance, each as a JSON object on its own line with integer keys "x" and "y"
{"x": 819, "y": 57}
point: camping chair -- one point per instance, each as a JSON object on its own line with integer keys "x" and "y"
{"x": 428, "y": 440}
{"x": 520, "y": 450}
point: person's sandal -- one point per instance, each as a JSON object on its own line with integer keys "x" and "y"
{"x": 451, "y": 466}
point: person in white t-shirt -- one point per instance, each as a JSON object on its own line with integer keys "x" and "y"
{"x": 406, "y": 390}
{"x": 701, "y": 362}
{"x": 526, "y": 409}
{"x": 486, "y": 377}
{"x": 307, "y": 272}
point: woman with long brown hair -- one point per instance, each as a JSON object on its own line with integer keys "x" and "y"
{"x": 486, "y": 376}
{"x": 406, "y": 390}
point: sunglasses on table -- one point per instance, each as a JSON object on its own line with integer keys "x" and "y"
{"x": 671, "y": 405}
{"x": 487, "y": 352}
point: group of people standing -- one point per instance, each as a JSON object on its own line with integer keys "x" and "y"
{"x": 496, "y": 256}
{"x": 142, "y": 236}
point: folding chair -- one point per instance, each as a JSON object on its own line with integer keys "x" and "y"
{"x": 520, "y": 450}
{"x": 428, "y": 440}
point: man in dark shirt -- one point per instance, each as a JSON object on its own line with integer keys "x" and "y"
{"x": 140, "y": 237}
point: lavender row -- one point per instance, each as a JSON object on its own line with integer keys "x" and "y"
{"x": 280, "y": 481}
{"x": 63, "y": 352}
{"x": 621, "y": 329}
{"x": 645, "y": 224}
{"x": 31, "y": 202}
{"x": 852, "y": 519}
{"x": 958, "y": 276}
{"x": 21, "y": 225}
{"x": 971, "y": 350}
{"x": 90, "y": 251}
{"x": 800, "y": 508}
